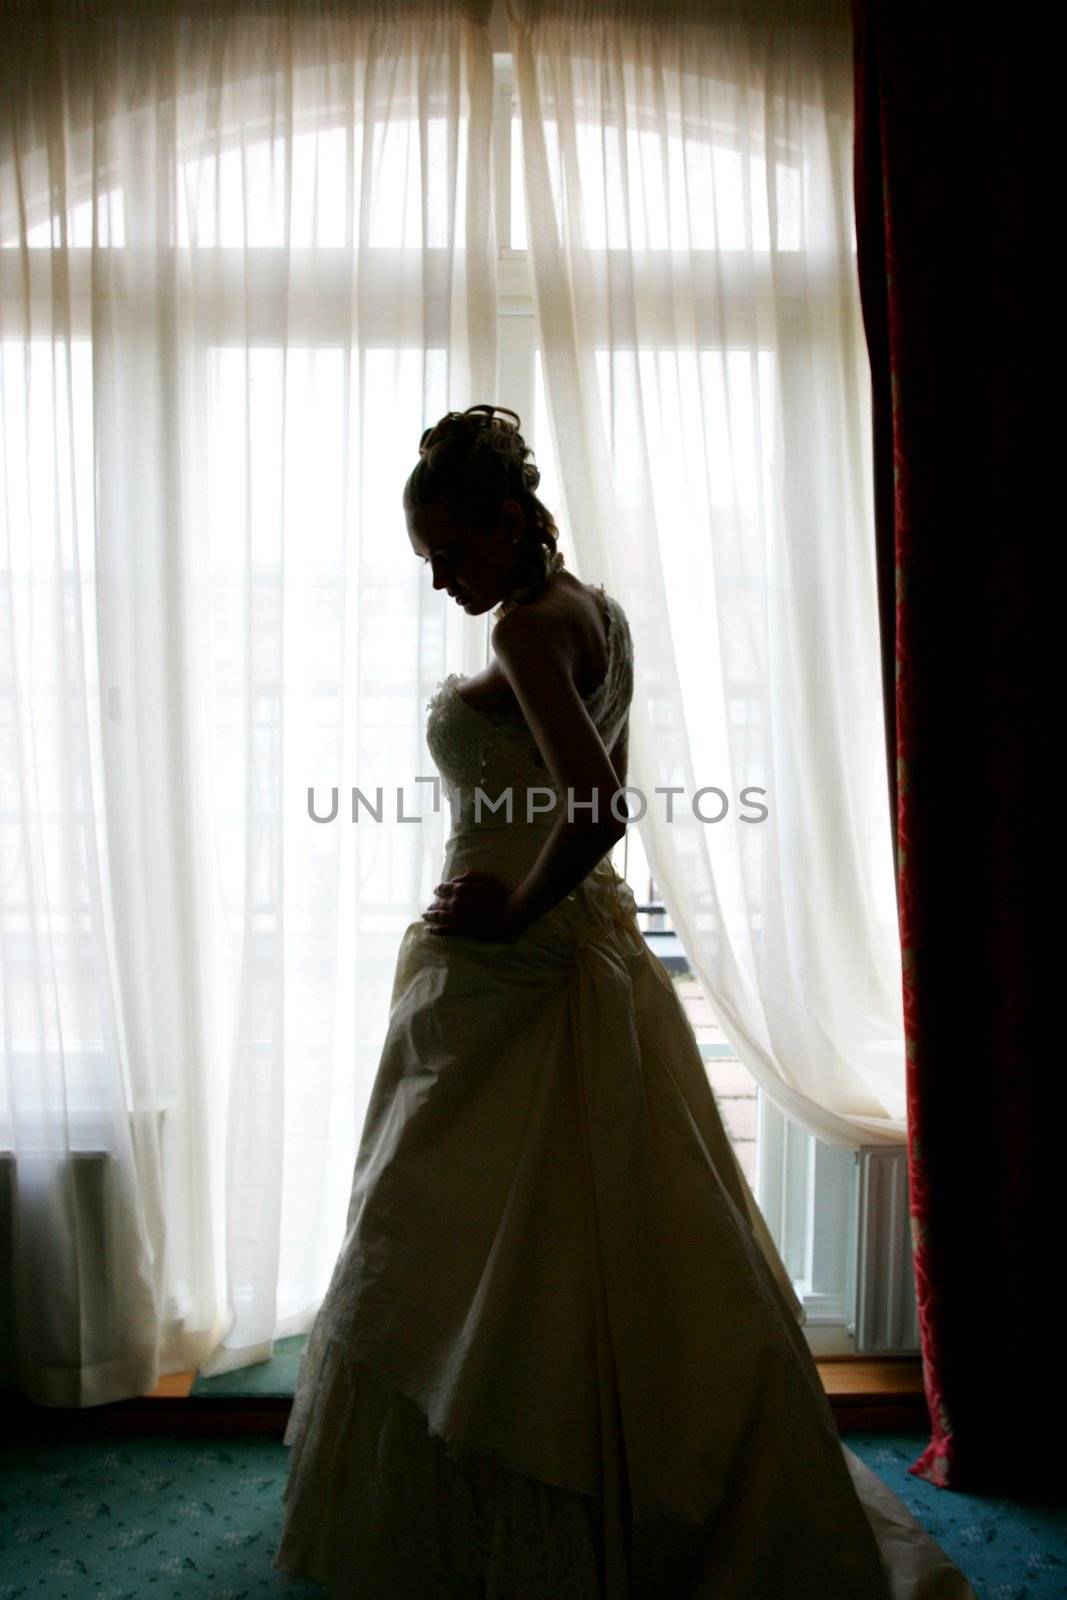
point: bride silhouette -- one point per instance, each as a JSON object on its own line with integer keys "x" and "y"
{"x": 559, "y": 1356}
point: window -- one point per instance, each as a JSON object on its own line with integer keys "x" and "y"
{"x": 285, "y": 655}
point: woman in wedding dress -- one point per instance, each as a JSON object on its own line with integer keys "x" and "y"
{"x": 559, "y": 1356}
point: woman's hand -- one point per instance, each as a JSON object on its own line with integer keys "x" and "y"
{"x": 474, "y": 904}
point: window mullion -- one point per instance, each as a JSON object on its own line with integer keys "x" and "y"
{"x": 502, "y": 102}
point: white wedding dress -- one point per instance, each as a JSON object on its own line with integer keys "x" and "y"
{"x": 559, "y": 1356}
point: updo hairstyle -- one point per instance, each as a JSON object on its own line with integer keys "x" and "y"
{"x": 473, "y": 461}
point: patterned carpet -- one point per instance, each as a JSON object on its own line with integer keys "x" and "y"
{"x": 193, "y": 1519}
{"x": 1009, "y": 1550}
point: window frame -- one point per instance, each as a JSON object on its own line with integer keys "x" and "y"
{"x": 808, "y": 1223}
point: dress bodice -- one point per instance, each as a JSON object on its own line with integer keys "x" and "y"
{"x": 474, "y": 750}
{"x": 482, "y": 756}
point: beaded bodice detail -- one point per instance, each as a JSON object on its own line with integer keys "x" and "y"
{"x": 473, "y": 749}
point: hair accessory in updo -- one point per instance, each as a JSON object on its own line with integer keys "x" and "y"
{"x": 483, "y": 431}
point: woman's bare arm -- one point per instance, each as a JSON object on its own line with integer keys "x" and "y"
{"x": 536, "y": 661}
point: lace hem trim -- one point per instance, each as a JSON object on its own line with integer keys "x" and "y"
{"x": 377, "y": 1504}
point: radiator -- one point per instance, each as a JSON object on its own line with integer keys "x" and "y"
{"x": 82, "y": 1199}
{"x": 839, "y": 1218}
{"x": 883, "y": 1317}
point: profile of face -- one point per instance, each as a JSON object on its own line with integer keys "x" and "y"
{"x": 477, "y": 569}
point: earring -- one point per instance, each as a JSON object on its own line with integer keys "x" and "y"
{"x": 546, "y": 563}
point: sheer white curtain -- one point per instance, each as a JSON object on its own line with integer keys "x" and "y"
{"x": 688, "y": 180}
{"x": 244, "y": 261}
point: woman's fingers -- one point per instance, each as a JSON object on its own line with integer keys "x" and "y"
{"x": 459, "y": 899}
{"x": 440, "y": 911}
{"x": 451, "y": 884}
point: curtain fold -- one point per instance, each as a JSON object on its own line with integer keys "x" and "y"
{"x": 950, "y": 193}
{"x": 245, "y": 259}
{"x": 689, "y": 212}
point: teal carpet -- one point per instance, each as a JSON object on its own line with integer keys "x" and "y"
{"x": 183, "y": 1519}
{"x": 1008, "y": 1549}
{"x": 178, "y": 1518}
{"x": 275, "y": 1377}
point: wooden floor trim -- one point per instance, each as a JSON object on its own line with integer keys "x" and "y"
{"x": 864, "y": 1395}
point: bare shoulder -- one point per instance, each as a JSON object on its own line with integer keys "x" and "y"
{"x": 563, "y": 634}
{"x": 522, "y": 623}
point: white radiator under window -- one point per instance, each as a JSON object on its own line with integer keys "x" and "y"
{"x": 840, "y": 1219}
{"x": 30, "y": 1206}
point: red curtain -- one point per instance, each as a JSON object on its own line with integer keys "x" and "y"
{"x": 951, "y": 228}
